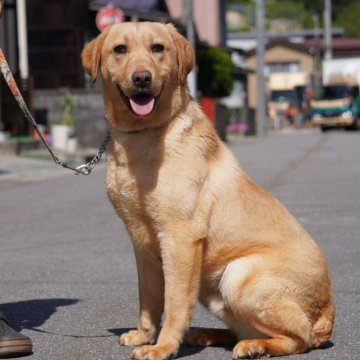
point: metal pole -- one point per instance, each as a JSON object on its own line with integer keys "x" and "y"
{"x": 327, "y": 23}
{"x": 317, "y": 70}
{"x": 187, "y": 19}
{"x": 2, "y": 2}
{"x": 261, "y": 119}
{"x": 22, "y": 39}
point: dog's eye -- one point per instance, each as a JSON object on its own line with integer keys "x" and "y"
{"x": 120, "y": 49}
{"x": 157, "y": 48}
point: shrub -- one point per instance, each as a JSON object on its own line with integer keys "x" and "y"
{"x": 215, "y": 72}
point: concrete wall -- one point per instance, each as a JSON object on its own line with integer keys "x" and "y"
{"x": 90, "y": 124}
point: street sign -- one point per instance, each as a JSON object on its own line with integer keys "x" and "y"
{"x": 109, "y": 15}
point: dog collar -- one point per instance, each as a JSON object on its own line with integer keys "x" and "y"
{"x": 130, "y": 132}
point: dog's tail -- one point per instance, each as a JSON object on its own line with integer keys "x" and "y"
{"x": 322, "y": 329}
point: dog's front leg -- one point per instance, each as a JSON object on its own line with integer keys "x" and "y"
{"x": 151, "y": 296}
{"x": 181, "y": 265}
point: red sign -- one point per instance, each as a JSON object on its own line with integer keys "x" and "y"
{"x": 108, "y": 15}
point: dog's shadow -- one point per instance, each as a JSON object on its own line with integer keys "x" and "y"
{"x": 185, "y": 350}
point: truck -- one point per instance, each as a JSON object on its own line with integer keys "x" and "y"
{"x": 338, "y": 105}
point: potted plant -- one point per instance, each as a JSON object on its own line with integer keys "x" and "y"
{"x": 64, "y": 133}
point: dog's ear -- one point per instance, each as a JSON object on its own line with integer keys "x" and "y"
{"x": 91, "y": 55}
{"x": 184, "y": 53}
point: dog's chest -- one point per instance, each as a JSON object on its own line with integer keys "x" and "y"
{"x": 124, "y": 191}
{"x": 131, "y": 179}
{"x": 131, "y": 191}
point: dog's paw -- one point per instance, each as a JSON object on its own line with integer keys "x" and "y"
{"x": 154, "y": 352}
{"x": 135, "y": 338}
{"x": 199, "y": 338}
{"x": 249, "y": 349}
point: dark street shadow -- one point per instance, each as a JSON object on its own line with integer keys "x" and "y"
{"x": 186, "y": 350}
{"x": 119, "y": 331}
{"x": 32, "y": 313}
{"x": 328, "y": 345}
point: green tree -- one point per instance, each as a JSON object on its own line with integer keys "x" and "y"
{"x": 288, "y": 10}
{"x": 294, "y": 12}
{"x": 345, "y": 13}
{"x": 215, "y": 72}
{"x": 314, "y": 6}
{"x": 348, "y": 19}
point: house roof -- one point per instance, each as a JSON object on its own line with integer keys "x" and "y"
{"x": 340, "y": 46}
{"x": 306, "y": 33}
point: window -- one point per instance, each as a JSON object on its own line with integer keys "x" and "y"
{"x": 283, "y": 67}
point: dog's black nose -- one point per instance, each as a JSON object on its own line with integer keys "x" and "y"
{"x": 142, "y": 79}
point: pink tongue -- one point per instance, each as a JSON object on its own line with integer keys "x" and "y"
{"x": 142, "y": 106}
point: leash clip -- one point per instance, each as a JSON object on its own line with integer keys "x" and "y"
{"x": 83, "y": 169}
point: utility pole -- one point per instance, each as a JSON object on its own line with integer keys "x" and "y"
{"x": 187, "y": 19}
{"x": 317, "y": 60}
{"x": 327, "y": 23}
{"x": 261, "y": 120}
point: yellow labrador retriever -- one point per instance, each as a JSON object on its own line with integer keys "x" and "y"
{"x": 201, "y": 227}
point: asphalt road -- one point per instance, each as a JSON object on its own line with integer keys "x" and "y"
{"x": 68, "y": 277}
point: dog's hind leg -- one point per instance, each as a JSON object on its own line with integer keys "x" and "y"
{"x": 255, "y": 349}
{"x": 286, "y": 326}
{"x": 151, "y": 296}
{"x": 262, "y": 301}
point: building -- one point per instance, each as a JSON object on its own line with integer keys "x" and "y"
{"x": 209, "y": 19}
{"x": 56, "y": 32}
{"x": 294, "y": 59}
{"x": 288, "y": 66}
{"x": 247, "y": 40}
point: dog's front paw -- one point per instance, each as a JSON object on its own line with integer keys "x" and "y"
{"x": 154, "y": 352}
{"x": 135, "y": 338}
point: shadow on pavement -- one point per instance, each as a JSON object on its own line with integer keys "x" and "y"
{"x": 32, "y": 313}
{"x": 329, "y": 344}
{"x": 186, "y": 350}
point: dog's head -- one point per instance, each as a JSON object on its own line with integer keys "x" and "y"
{"x": 141, "y": 64}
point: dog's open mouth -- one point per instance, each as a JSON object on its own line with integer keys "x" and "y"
{"x": 142, "y": 104}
